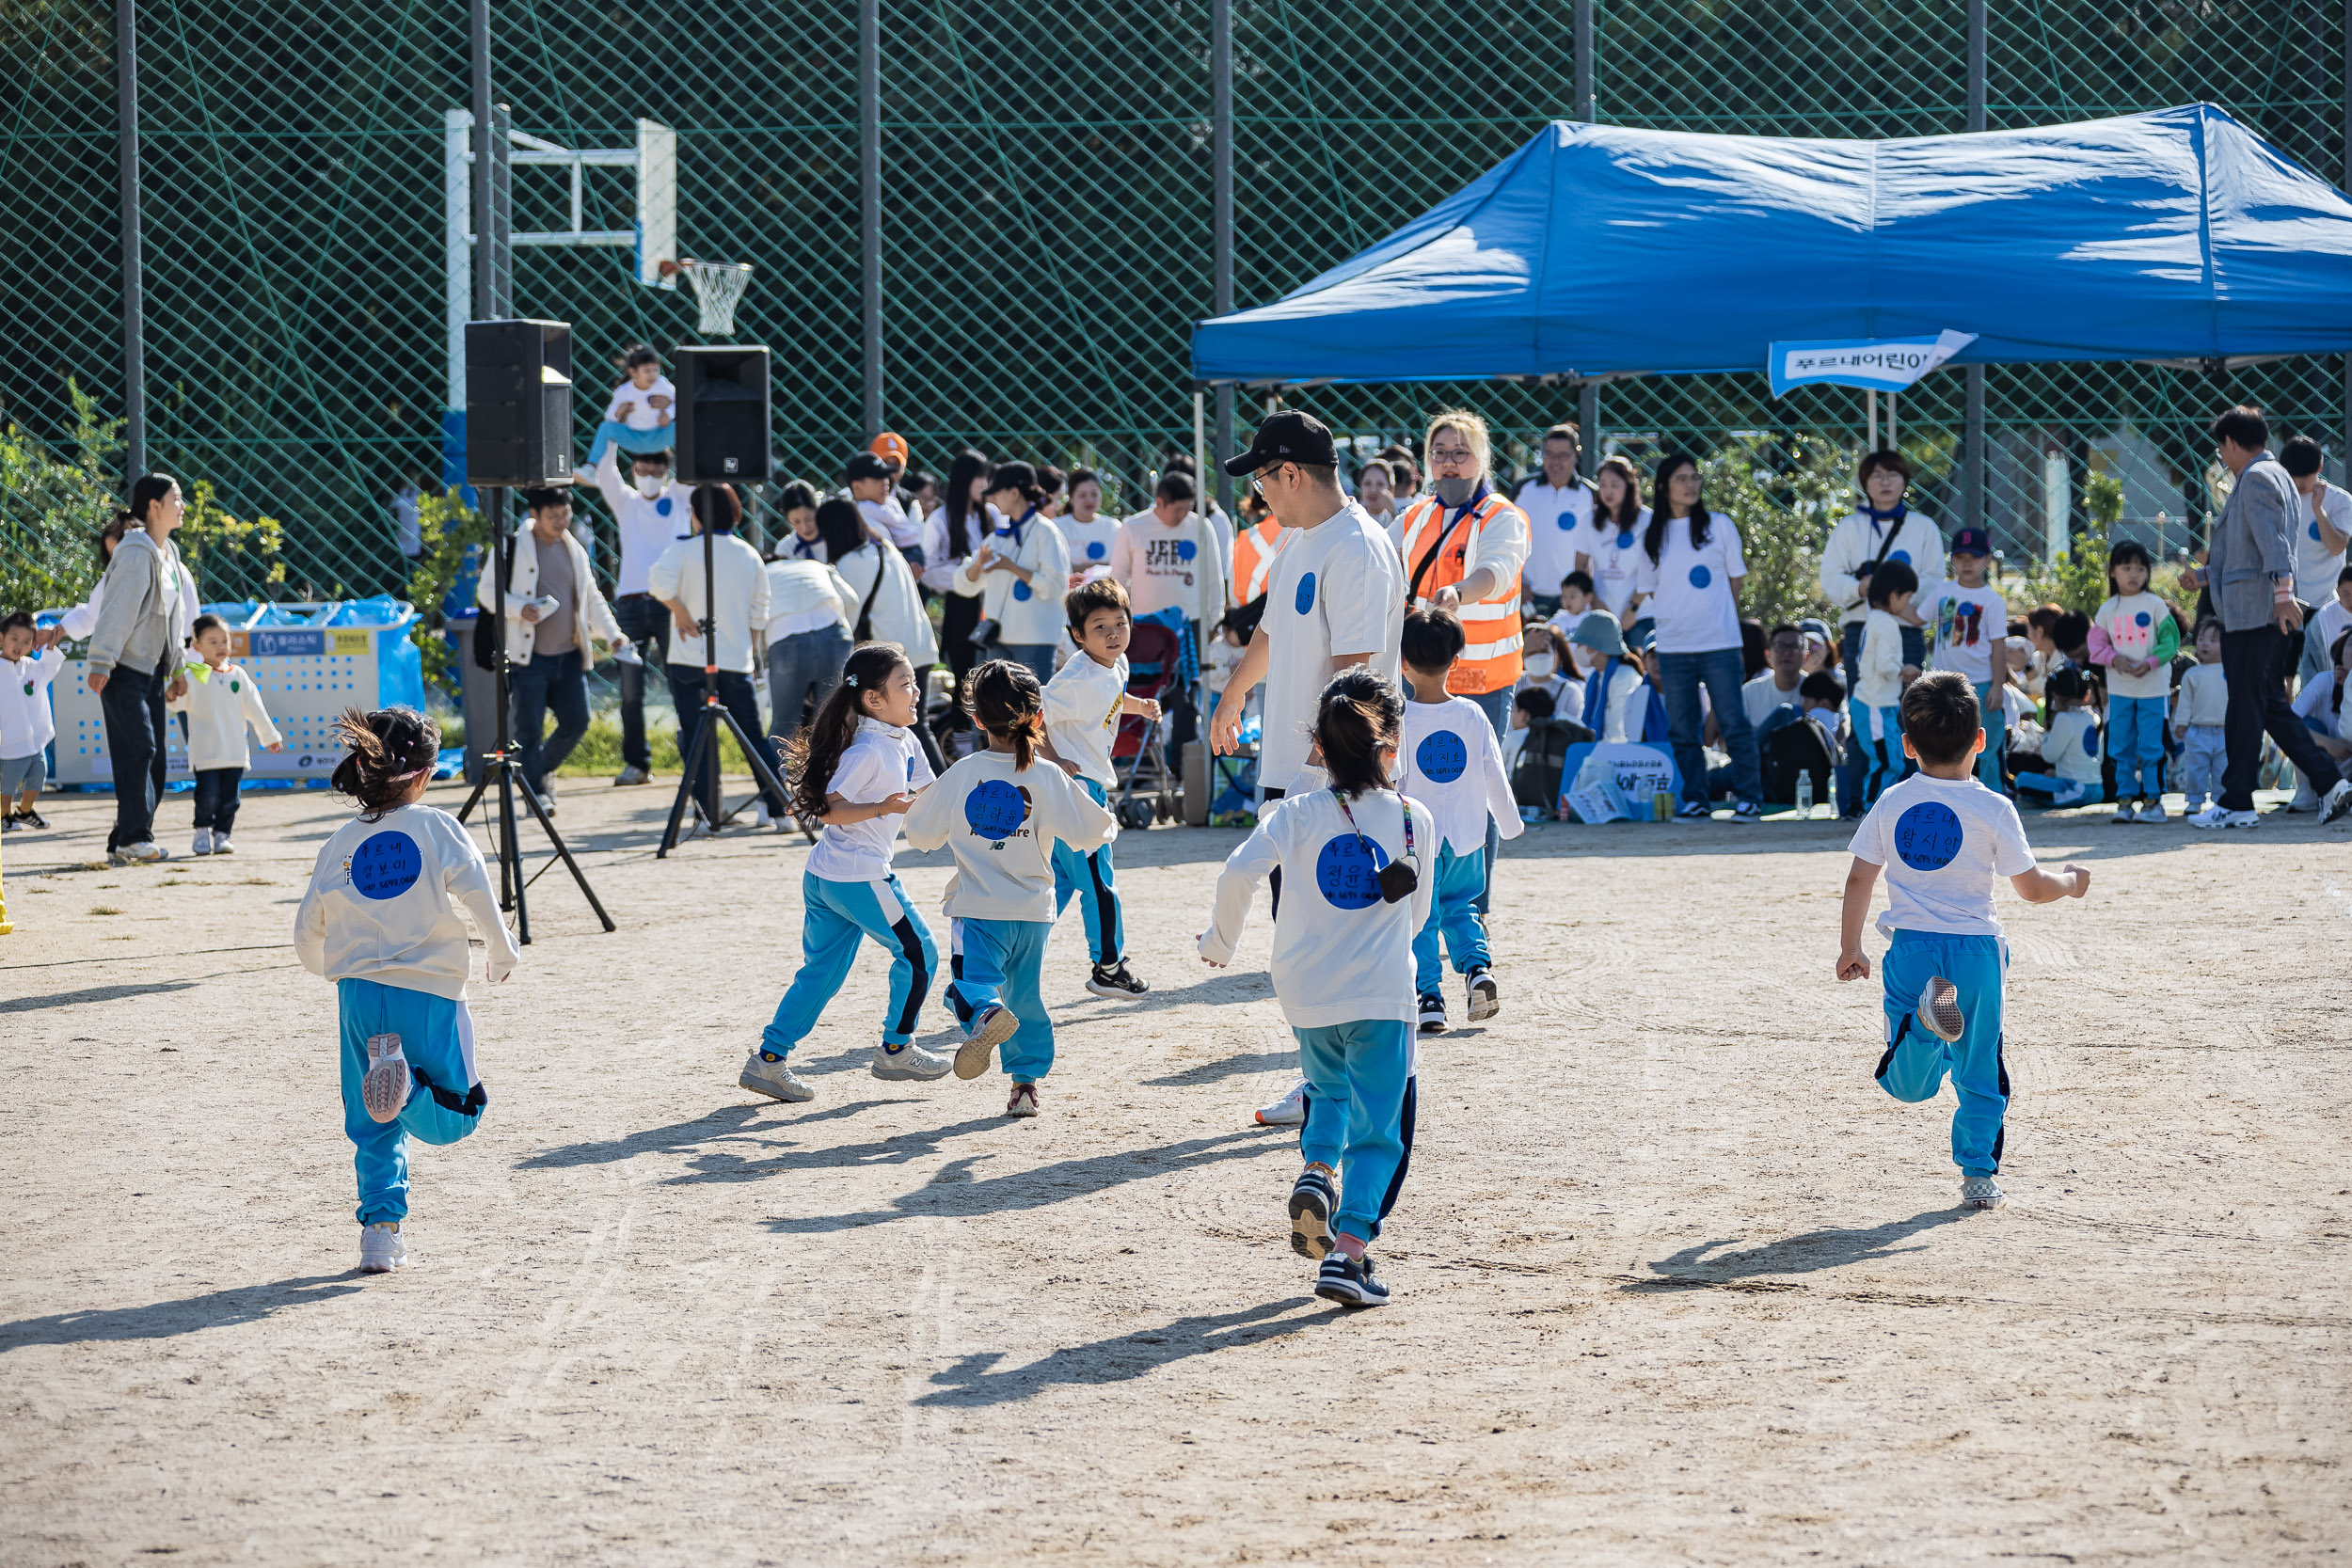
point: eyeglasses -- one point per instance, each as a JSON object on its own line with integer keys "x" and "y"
{"x": 1450, "y": 454}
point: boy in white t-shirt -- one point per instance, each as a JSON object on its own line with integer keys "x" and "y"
{"x": 1083, "y": 703}
{"x": 26, "y": 725}
{"x": 1450, "y": 761}
{"x": 1942, "y": 838}
{"x": 1968, "y": 627}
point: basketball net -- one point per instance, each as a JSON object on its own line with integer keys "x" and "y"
{"x": 716, "y": 285}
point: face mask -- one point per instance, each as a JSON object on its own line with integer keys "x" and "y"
{"x": 651, "y": 486}
{"x": 1538, "y": 665}
{"x": 1453, "y": 492}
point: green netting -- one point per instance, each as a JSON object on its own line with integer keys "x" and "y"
{"x": 1046, "y": 229}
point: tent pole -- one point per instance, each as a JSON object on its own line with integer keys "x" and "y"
{"x": 1893, "y": 440}
{"x": 1870, "y": 399}
{"x": 1974, "y": 511}
{"x": 1221, "y": 218}
{"x": 1584, "y": 108}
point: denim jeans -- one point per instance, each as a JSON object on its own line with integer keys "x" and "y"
{"x": 1721, "y": 672}
{"x": 804, "y": 667}
{"x": 217, "y": 798}
{"x": 646, "y": 623}
{"x": 736, "y": 697}
{"x": 132, "y": 704}
{"x": 556, "y": 682}
{"x": 1038, "y": 656}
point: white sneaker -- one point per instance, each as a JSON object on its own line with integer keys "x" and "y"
{"x": 1485, "y": 1001}
{"x": 382, "y": 1247}
{"x": 1022, "y": 1101}
{"x": 2123, "y": 813}
{"x": 1289, "y": 1111}
{"x": 145, "y": 852}
{"x": 2339, "y": 802}
{"x": 2152, "y": 811}
{"x": 760, "y": 814}
{"x": 989, "y": 1030}
{"x": 631, "y": 775}
{"x": 1981, "y": 1191}
{"x": 203, "y": 843}
{"x": 2306, "y": 798}
{"x": 1939, "y": 1010}
{"x": 910, "y": 1063}
{"x": 776, "y": 1080}
{"x": 2214, "y": 817}
{"x": 221, "y": 845}
{"x": 386, "y": 1087}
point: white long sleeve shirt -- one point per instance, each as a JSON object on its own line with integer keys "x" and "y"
{"x": 1340, "y": 954}
{"x": 1028, "y": 613}
{"x": 1449, "y": 759}
{"x": 221, "y": 705}
{"x": 1878, "y": 679}
{"x": 26, "y": 723}
{"x": 2071, "y": 749}
{"x": 736, "y": 609}
{"x": 943, "y": 569}
{"x": 1854, "y": 542}
{"x": 898, "y": 615}
{"x": 647, "y": 524}
{"x": 806, "y": 596}
{"x": 384, "y": 902}
{"x": 1001, "y": 823}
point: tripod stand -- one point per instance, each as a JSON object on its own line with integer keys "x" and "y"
{"x": 702, "y": 751}
{"x": 506, "y": 763}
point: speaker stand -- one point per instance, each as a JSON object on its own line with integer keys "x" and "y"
{"x": 702, "y": 751}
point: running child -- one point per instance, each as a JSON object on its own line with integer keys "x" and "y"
{"x": 1942, "y": 837}
{"x": 2134, "y": 634}
{"x": 222, "y": 702}
{"x": 26, "y": 725}
{"x": 1004, "y": 811}
{"x": 856, "y": 768}
{"x": 1084, "y": 704}
{"x": 1880, "y": 673}
{"x": 1450, "y": 761}
{"x": 1360, "y": 860}
{"x": 381, "y": 920}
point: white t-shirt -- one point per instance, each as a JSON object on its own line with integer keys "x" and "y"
{"x": 1758, "y": 697}
{"x": 1449, "y": 759}
{"x": 1559, "y": 522}
{"x": 1337, "y": 587}
{"x": 26, "y": 723}
{"x": 220, "y": 705}
{"x": 1963, "y": 623}
{"x": 646, "y": 527}
{"x": 1089, "y": 543}
{"x": 882, "y": 760}
{"x": 2311, "y": 704}
{"x": 1028, "y": 613}
{"x": 1691, "y": 587}
{"x": 2316, "y": 566}
{"x": 1341, "y": 953}
{"x": 2327, "y": 623}
{"x": 805, "y": 595}
{"x": 1616, "y": 554}
{"x": 737, "y": 609}
{"x": 1082, "y": 704}
{"x": 1943, "y": 841}
{"x": 1001, "y": 823}
{"x": 641, "y": 414}
{"x": 382, "y": 906}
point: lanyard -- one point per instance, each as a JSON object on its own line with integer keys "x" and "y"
{"x": 1359, "y": 833}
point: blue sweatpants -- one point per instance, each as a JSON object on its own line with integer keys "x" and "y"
{"x": 2062, "y": 792}
{"x": 1002, "y": 962}
{"x": 1454, "y": 914}
{"x": 445, "y": 1102}
{"x": 1355, "y": 1075}
{"x": 2136, "y": 741}
{"x": 1995, "y": 718}
{"x": 1879, "y": 732}
{"x": 1916, "y": 1062}
{"x": 836, "y": 918}
{"x": 1089, "y": 876}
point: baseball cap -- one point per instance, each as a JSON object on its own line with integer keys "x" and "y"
{"x": 1289, "y": 436}
{"x": 890, "y": 447}
{"x": 864, "y": 465}
{"x": 1971, "y": 541}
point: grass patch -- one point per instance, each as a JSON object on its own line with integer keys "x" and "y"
{"x": 600, "y": 751}
{"x": 104, "y": 908}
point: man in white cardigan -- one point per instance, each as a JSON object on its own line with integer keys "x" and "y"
{"x": 553, "y": 607}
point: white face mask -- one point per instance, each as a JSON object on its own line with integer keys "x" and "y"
{"x": 1538, "y": 666}
{"x": 651, "y": 486}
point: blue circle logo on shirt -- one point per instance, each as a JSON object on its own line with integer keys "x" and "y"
{"x": 385, "y": 864}
{"x": 1903, "y": 556}
{"x": 1624, "y": 539}
{"x": 995, "y": 809}
{"x": 662, "y": 507}
{"x": 1347, "y": 872}
{"x": 1701, "y": 577}
{"x": 1020, "y": 590}
{"x": 2142, "y": 619}
{"x": 2314, "y": 530}
{"x": 1094, "y": 550}
{"x": 1306, "y": 593}
{"x": 2091, "y": 740}
{"x": 1927, "y": 835}
{"x": 1186, "y": 549}
{"x": 1441, "y": 756}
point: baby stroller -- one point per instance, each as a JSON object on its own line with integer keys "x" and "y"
{"x": 1149, "y": 788}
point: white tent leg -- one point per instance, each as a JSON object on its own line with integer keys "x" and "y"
{"x": 1870, "y": 401}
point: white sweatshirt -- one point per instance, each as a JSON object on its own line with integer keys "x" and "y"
{"x": 1001, "y": 823}
{"x": 1083, "y": 703}
{"x": 1854, "y": 542}
{"x": 882, "y": 760}
{"x": 26, "y": 725}
{"x": 220, "y": 704}
{"x": 1450, "y": 761}
{"x": 1028, "y": 613}
{"x": 646, "y": 527}
{"x": 382, "y": 906}
{"x": 1340, "y": 954}
{"x": 898, "y": 615}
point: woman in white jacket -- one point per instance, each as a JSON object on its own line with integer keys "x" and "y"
{"x": 1024, "y": 570}
{"x": 950, "y": 534}
{"x": 889, "y": 605}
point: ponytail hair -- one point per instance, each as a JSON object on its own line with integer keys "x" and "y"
{"x": 1654, "y": 536}
{"x": 814, "y": 750}
{"x": 1359, "y": 716}
{"x": 389, "y": 748}
{"x": 1016, "y": 476}
{"x": 1010, "y": 705}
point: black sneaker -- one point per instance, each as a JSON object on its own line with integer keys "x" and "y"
{"x": 1350, "y": 1283}
{"x": 1312, "y": 1198}
{"x": 1432, "y": 1013}
{"x": 1116, "y": 981}
{"x": 33, "y": 819}
{"x": 1485, "y": 1001}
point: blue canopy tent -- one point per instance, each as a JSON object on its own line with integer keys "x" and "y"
{"x": 1603, "y": 251}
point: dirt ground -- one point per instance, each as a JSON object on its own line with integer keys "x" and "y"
{"x": 1676, "y": 1283}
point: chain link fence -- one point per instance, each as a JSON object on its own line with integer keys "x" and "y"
{"x": 1046, "y": 227}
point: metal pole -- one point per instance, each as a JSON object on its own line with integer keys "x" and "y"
{"x": 485, "y": 267}
{"x": 499, "y": 224}
{"x": 2345, "y": 177}
{"x": 134, "y": 269}
{"x": 869, "y": 181}
{"x": 1221, "y": 222}
{"x": 1972, "y": 471}
{"x": 1584, "y": 107}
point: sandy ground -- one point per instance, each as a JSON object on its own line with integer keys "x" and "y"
{"x": 1677, "y": 1282}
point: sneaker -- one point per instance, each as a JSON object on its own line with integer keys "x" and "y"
{"x": 1289, "y": 1111}
{"x": 2215, "y": 816}
{"x": 774, "y": 1078}
{"x": 1432, "y": 1013}
{"x": 2306, "y": 798}
{"x": 1118, "y": 980}
{"x": 145, "y": 852}
{"x": 1350, "y": 1283}
{"x": 990, "y": 1029}
{"x": 2123, "y": 813}
{"x": 1693, "y": 810}
{"x": 33, "y": 819}
{"x": 1747, "y": 810}
{"x": 202, "y": 845}
{"x": 221, "y": 845}
{"x": 1981, "y": 1191}
{"x": 382, "y": 1247}
{"x": 2339, "y": 802}
{"x": 7, "y": 823}
{"x": 1939, "y": 1010}
{"x": 760, "y": 814}
{"x": 1312, "y": 1198}
{"x": 910, "y": 1063}
{"x": 386, "y": 1085}
{"x": 1485, "y": 1001}
{"x": 1022, "y": 1101}
{"x": 631, "y": 775}
{"x": 2152, "y": 811}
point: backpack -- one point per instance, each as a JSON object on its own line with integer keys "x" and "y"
{"x": 1535, "y": 778}
{"x": 1792, "y": 750}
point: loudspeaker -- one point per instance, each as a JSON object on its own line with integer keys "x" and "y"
{"x": 722, "y": 415}
{"x": 519, "y": 403}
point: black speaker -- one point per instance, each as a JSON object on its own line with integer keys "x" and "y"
{"x": 519, "y": 403}
{"x": 722, "y": 415}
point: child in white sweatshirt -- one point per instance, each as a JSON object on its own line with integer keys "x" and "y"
{"x": 222, "y": 702}
{"x": 26, "y": 725}
{"x": 1881, "y": 673}
{"x": 381, "y": 920}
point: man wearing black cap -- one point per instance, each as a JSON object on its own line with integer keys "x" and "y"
{"x": 1336, "y": 596}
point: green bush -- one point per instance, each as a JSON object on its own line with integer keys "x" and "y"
{"x": 53, "y": 509}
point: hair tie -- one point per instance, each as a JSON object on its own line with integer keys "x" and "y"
{"x": 849, "y": 680}
{"x": 399, "y": 777}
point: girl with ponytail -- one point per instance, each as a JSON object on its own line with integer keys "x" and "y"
{"x": 856, "y": 768}
{"x": 1001, "y": 813}
{"x": 1357, "y": 863}
{"x": 381, "y": 920}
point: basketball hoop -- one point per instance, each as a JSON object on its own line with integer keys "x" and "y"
{"x": 717, "y": 286}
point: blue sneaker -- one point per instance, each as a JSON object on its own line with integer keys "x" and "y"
{"x": 1349, "y": 1283}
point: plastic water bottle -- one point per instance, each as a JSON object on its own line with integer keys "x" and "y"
{"x": 1805, "y": 793}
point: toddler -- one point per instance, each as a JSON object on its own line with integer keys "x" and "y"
{"x": 1880, "y": 675}
{"x": 642, "y": 408}
{"x": 1578, "y": 599}
{"x": 221, "y": 702}
{"x": 26, "y": 725}
{"x": 2070, "y": 772}
{"x": 2199, "y": 709}
{"x": 2134, "y": 636}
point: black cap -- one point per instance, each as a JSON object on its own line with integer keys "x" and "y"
{"x": 1289, "y": 436}
{"x": 864, "y": 465}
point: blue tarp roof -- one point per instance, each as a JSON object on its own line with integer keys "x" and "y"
{"x": 1602, "y": 249}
